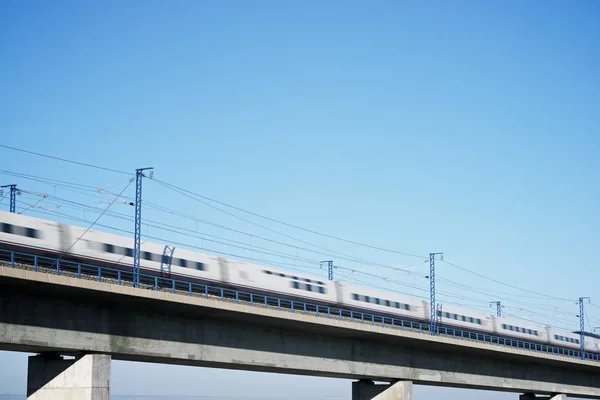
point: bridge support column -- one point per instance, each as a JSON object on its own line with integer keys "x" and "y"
{"x": 531, "y": 396}
{"x": 368, "y": 390}
{"x": 51, "y": 377}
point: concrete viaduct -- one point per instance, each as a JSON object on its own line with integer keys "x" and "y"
{"x": 57, "y": 317}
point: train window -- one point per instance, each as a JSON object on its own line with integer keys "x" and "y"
{"x": 354, "y": 296}
{"x": 109, "y": 248}
{"x": 7, "y": 228}
{"x": 199, "y": 266}
{"x": 32, "y": 233}
{"x": 267, "y": 272}
{"x": 307, "y": 280}
{"x": 182, "y": 263}
{"x": 387, "y": 303}
{"x": 310, "y": 288}
{"x": 19, "y": 230}
{"x": 377, "y": 301}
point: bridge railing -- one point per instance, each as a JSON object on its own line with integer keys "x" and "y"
{"x": 157, "y": 282}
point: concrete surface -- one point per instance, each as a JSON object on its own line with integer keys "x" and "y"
{"x": 50, "y": 377}
{"x": 368, "y": 390}
{"x": 51, "y": 313}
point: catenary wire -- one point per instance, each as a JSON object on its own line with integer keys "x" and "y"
{"x": 93, "y": 223}
{"x": 505, "y": 284}
{"x": 173, "y": 187}
{"x": 66, "y": 160}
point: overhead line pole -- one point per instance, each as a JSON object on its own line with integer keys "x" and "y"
{"x": 139, "y": 174}
{"x": 329, "y": 269}
{"x": 582, "y": 327}
{"x": 13, "y": 196}
{"x": 433, "y": 317}
{"x": 498, "y": 308}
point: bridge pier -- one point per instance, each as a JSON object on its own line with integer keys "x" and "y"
{"x": 51, "y": 377}
{"x": 531, "y": 396}
{"x": 368, "y": 390}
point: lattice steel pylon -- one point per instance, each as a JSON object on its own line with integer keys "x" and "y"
{"x": 582, "y": 327}
{"x": 498, "y": 308}
{"x": 434, "y": 318}
{"x": 139, "y": 174}
{"x": 12, "y": 196}
{"x": 329, "y": 269}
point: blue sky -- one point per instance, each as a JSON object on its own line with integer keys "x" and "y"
{"x": 470, "y": 129}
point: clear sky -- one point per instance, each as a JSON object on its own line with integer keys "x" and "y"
{"x": 469, "y": 128}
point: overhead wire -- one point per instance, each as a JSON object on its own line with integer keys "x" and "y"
{"x": 182, "y": 192}
{"x": 503, "y": 283}
{"x": 66, "y": 160}
{"x": 285, "y": 223}
{"x": 93, "y": 223}
{"x": 328, "y": 252}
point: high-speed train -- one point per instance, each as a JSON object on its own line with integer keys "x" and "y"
{"x": 48, "y": 238}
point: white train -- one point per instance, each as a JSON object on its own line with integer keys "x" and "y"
{"x": 49, "y": 238}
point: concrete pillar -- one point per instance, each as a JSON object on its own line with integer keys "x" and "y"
{"x": 531, "y": 396}
{"x": 368, "y": 390}
{"x": 51, "y": 377}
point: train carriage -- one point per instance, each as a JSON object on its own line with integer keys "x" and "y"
{"x": 279, "y": 282}
{"x": 43, "y": 237}
{"x": 378, "y": 302}
{"x": 521, "y": 330}
{"x": 461, "y": 318}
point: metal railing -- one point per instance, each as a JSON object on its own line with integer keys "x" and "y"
{"x": 161, "y": 283}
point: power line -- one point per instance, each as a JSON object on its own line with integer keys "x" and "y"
{"x": 173, "y": 187}
{"x": 93, "y": 223}
{"x": 66, "y": 160}
{"x": 328, "y": 252}
{"x": 505, "y": 284}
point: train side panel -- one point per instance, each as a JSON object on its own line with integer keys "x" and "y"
{"x": 563, "y": 338}
{"x": 282, "y": 282}
{"x": 377, "y": 301}
{"x": 462, "y": 318}
{"x": 26, "y": 231}
{"x": 520, "y": 329}
{"x": 119, "y": 250}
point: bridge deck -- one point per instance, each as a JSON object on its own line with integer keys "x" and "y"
{"x": 44, "y": 312}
